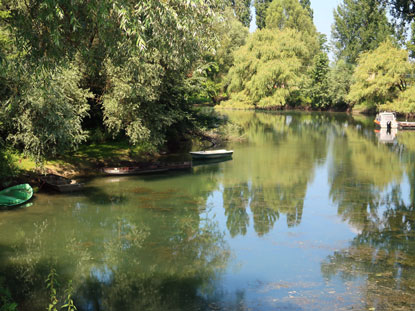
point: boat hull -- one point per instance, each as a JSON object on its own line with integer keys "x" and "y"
{"x": 136, "y": 170}
{"x": 61, "y": 184}
{"x": 16, "y": 195}
{"x": 199, "y": 155}
{"x": 131, "y": 171}
{"x": 386, "y": 120}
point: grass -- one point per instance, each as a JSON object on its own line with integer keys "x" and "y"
{"x": 365, "y": 108}
{"x": 88, "y": 157}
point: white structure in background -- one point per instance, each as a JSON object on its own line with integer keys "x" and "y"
{"x": 386, "y": 120}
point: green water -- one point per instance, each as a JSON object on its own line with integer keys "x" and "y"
{"x": 314, "y": 212}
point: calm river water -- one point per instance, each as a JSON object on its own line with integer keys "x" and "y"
{"x": 314, "y": 212}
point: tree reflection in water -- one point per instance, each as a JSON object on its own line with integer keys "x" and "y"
{"x": 276, "y": 164}
{"x": 141, "y": 256}
{"x": 151, "y": 244}
{"x": 367, "y": 191}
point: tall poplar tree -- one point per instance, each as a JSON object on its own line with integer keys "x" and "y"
{"x": 306, "y": 4}
{"x": 242, "y": 10}
{"x": 261, "y": 7}
{"x": 403, "y": 9}
{"x": 359, "y": 26}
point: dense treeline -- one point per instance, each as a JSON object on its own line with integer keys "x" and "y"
{"x": 285, "y": 62}
{"x": 125, "y": 68}
{"x": 74, "y": 70}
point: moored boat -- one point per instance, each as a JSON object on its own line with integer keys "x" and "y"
{"x": 211, "y": 154}
{"x": 131, "y": 170}
{"x": 60, "y": 183}
{"x": 148, "y": 169}
{"x": 16, "y": 195}
{"x": 386, "y": 120}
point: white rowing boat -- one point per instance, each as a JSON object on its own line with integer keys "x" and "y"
{"x": 211, "y": 154}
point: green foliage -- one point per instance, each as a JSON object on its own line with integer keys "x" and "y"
{"x": 59, "y": 28}
{"x": 8, "y": 169}
{"x": 380, "y": 75}
{"x": 207, "y": 77}
{"x": 405, "y": 103}
{"x": 46, "y": 111}
{"x": 137, "y": 57}
{"x": 69, "y": 304}
{"x": 271, "y": 67}
{"x": 359, "y": 25}
{"x": 318, "y": 88}
{"x": 340, "y": 80}
{"x": 306, "y": 4}
{"x": 401, "y": 9}
{"x": 232, "y": 36}
{"x": 6, "y": 44}
{"x": 6, "y": 301}
{"x": 144, "y": 100}
{"x": 242, "y": 11}
{"x": 52, "y": 285}
{"x": 283, "y": 14}
{"x": 411, "y": 43}
{"x": 268, "y": 68}
{"x": 261, "y": 7}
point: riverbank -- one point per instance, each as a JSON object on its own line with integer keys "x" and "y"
{"x": 89, "y": 159}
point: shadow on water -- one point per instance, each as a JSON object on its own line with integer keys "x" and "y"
{"x": 201, "y": 162}
{"x": 100, "y": 197}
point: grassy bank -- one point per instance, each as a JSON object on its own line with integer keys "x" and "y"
{"x": 86, "y": 161}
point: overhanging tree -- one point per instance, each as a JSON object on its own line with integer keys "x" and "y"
{"x": 137, "y": 58}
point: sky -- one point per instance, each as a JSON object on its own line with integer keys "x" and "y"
{"x": 323, "y": 15}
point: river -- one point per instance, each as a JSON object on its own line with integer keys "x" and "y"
{"x": 314, "y": 212}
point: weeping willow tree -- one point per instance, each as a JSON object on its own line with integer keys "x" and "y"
{"x": 380, "y": 78}
{"x": 121, "y": 65}
{"x": 270, "y": 69}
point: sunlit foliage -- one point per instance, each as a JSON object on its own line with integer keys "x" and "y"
{"x": 260, "y": 12}
{"x": 306, "y": 4}
{"x": 208, "y": 75}
{"x": 380, "y": 75}
{"x": 242, "y": 10}
{"x": 359, "y": 25}
{"x": 271, "y": 66}
{"x": 47, "y": 111}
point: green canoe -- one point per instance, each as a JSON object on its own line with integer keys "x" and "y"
{"x": 15, "y": 195}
